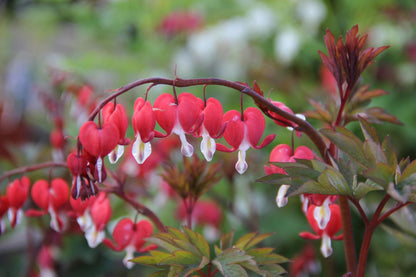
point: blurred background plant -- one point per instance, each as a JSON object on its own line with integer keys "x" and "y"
{"x": 50, "y": 46}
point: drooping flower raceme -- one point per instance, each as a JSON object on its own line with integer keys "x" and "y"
{"x": 244, "y": 132}
{"x": 329, "y": 232}
{"x": 130, "y": 237}
{"x": 183, "y": 117}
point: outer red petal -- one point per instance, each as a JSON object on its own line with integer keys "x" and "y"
{"x": 99, "y": 142}
{"x": 189, "y": 111}
{"x": 123, "y": 233}
{"x": 116, "y": 115}
{"x": 165, "y": 111}
{"x": 144, "y": 121}
{"x": 254, "y": 120}
{"x": 40, "y": 194}
{"x": 59, "y": 192}
{"x": 281, "y": 153}
{"x": 213, "y": 117}
{"x": 101, "y": 211}
{"x": 234, "y": 133}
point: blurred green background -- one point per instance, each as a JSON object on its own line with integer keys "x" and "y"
{"x": 111, "y": 43}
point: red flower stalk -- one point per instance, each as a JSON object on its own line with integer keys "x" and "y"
{"x": 180, "y": 118}
{"x": 329, "y": 232}
{"x": 243, "y": 133}
{"x": 130, "y": 237}
{"x": 50, "y": 198}
{"x": 116, "y": 115}
{"x": 17, "y": 193}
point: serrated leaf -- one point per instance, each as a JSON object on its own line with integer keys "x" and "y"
{"x": 409, "y": 170}
{"x": 378, "y": 115}
{"x": 198, "y": 241}
{"x": 369, "y": 131}
{"x": 226, "y": 240}
{"x": 252, "y": 266}
{"x": 320, "y": 112}
{"x": 382, "y": 174}
{"x": 363, "y": 95}
{"x": 153, "y": 259}
{"x": 275, "y": 179}
{"x": 180, "y": 257}
{"x": 176, "y": 233}
{"x": 272, "y": 270}
{"x": 349, "y": 143}
{"x": 374, "y": 153}
{"x": 270, "y": 258}
{"x": 312, "y": 187}
{"x": 389, "y": 152}
{"x": 333, "y": 177}
{"x": 234, "y": 270}
{"x": 232, "y": 255}
{"x": 363, "y": 188}
{"x": 251, "y": 239}
{"x": 164, "y": 240}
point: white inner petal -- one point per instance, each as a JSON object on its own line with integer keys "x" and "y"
{"x": 281, "y": 199}
{"x": 322, "y": 214}
{"x": 326, "y": 248}
{"x": 116, "y": 154}
{"x": 141, "y": 151}
{"x": 208, "y": 147}
{"x": 241, "y": 165}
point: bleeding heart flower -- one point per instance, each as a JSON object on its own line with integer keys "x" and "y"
{"x": 243, "y": 133}
{"x": 211, "y": 128}
{"x": 82, "y": 186}
{"x": 283, "y": 153}
{"x": 144, "y": 123}
{"x": 184, "y": 117}
{"x": 130, "y": 237}
{"x": 117, "y": 116}
{"x": 100, "y": 215}
{"x": 98, "y": 142}
{"x": 17, "y": 193}
{"x": 4, "y": 206}
{"x": 329, "y": 232}
{"x": 82, "y": 212}
{"x": 50, "y": 199}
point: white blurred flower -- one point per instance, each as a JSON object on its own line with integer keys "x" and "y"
{"x": 311, "y": 13}
{"x": 286, "y": 45}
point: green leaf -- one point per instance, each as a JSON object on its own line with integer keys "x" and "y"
{"x": 408, "y": 171}
{"x": 272, "y": 270}
{"x": 164, "y": 240}
{"x": 269, "y": 258}
{"x": 312, "y": 187}
{"x": 333, "y": 177}
{"x": 199, "y": 241}
{"x": 382, "y": 174}
{"x": 389, "y": 152}
{"x": 251, "y": 239}
{"x": 369, "y": 131}
{"x": 180, "y": 257}
{"x": 275, "y": 179}
{"x": 347, "y": 142}
{"x": 232, "y": 255}
{"x": 378, "y": 115}
{"x": 363, "y": 188}
{"x": 234, "y": 270}
{"x": 226, "y": 240}
{"x": 374, "y": 153}
{"x": 182, "y": 264}
{"x": 153, "y": 259}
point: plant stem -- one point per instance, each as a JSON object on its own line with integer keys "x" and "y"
{"x": 35, "y": 167}
{"x": 349, "y": 245}
{"x": 365, "y": 246}
{"x": 142, "y": 209}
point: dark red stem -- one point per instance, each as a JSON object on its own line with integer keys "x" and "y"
{"x": 35, "y": 167}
